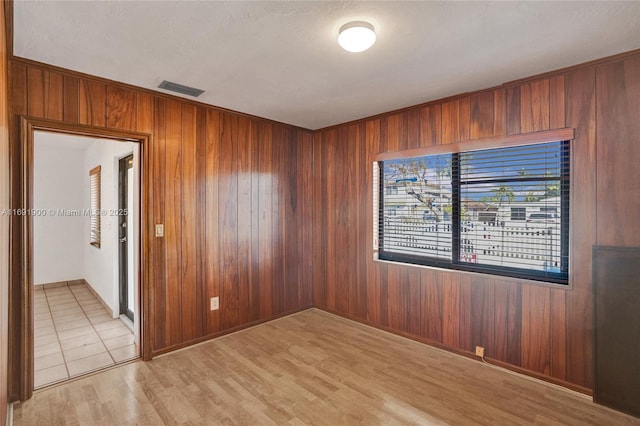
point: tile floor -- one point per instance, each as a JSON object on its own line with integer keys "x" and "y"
{"x": 74, "y": 334}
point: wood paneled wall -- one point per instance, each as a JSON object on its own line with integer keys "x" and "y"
{"x": 233, "y": 192}
{"x": 270, "y": 217}
{"x": 544, "y": 330}
{"x": 4, "y": 220}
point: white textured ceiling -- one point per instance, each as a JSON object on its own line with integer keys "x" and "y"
{"x": 280, "y": 60}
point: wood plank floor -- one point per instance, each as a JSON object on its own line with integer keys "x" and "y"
{"x": 311, "y": 368}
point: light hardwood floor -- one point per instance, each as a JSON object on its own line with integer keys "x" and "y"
{"x": 311, "y": 367}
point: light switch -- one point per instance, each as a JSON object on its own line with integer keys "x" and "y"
{"x": 159, "y": 230}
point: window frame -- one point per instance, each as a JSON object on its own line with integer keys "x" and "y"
{"x": 565, "y": 135}
{"x": 95, "y": 222}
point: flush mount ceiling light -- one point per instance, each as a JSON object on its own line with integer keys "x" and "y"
{"x": 356, "y": 36}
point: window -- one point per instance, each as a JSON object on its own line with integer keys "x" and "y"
{"x": 518, "y": 213}
{"x": 95, "y": 202}
{"x": 503, "y": 211}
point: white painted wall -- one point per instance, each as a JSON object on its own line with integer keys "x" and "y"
{"x": 58, "y": 249}
{"x": 61, "y": 242}
{"x": 101, "y": 264}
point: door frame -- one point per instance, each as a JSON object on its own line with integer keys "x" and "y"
{"x": 21, "y": 243}
{"x": 123, "y": 253}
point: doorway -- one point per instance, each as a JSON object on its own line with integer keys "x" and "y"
{"x": 84, "y": 264}
{"x": 23, "y": 333}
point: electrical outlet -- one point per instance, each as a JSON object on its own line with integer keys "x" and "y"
{"x": 215, "y": 303}
{"x": 480, "y": 351}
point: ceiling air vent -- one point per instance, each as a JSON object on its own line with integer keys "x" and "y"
{"x": 179, "y": 88}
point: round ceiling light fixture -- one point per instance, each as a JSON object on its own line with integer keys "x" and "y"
{"x": 356, "y": 36}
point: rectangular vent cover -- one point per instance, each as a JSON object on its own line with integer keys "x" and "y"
{"x": 179, "y": 88}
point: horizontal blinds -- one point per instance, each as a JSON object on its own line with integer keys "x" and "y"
{"x": 95, "y": 203}
{"x": 503, "y": 209}
{"x": 513, "y": 202}
{"x": 416, "y": 212}
{"x": 518, "y": 162}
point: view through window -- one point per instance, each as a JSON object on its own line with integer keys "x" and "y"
{"x": 503, "y": 211}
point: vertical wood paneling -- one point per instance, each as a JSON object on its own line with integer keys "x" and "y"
{"x": 456, "y": 120}
{"x": 558, "y": 367}
{"x": 451, "y": 310}
{"x": 293, "y": 233}
{"x": 228, "y": 223}
{"x": 557, "y": 102}
{"x": 507, "y": 323}
{"x": 464, "y": 118}
{"x": 278, "y": 219}
{"x": 431, "y": 125}
{"x": 71, "y": 99}
{"x": 254, "y": 239}
{"x": 35, "y": 92}
{"x": 482, "y": 309}
{"x": 45, "y": 94}
{"x": 414, "y": 301}
{"x": 340, "y": 240}
{"x": 53, "y": 96}
{"x": 513, "y": 110}
{"x": 200, "y": 223}
{"x": 319, "y": 222}
{"x": 364, "y": 238}
{"x": 18, "y": 92}
{"x": 349, "y": 220}
{"x": 534, "y": 106}
{"x": 581, "y": 115}
{"x": 144, "y": 113}
{"x": 481, "y": 115}
{"x": 173, "y": 222}
{"x": 431, "y": 307}
{"x": 244, "y": 217}
{"x": 450, "y": 122}
{"x": 536, "y": 328}
{"x": 467, "y": 282}
{"x": 158, "y": 251}
{"x": 120, "y": 108}
{"x": 235, "y": 200}
{"x": 414, "y": 128}
{"x": 580, "y": 337}
{"x": 290, "y": 209}
{"x": 306, "y": 160}
{"x": 373, "y": 273}
{"x": 618, "y": 149}
{"x": 329, "y": 198}
{"x": 191, "y": 315}
{"x": 92, "y": 103}
{"x": 265, "y": 200}
{"x": 212, "y": 203}
{"x": 499, "y": 112}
